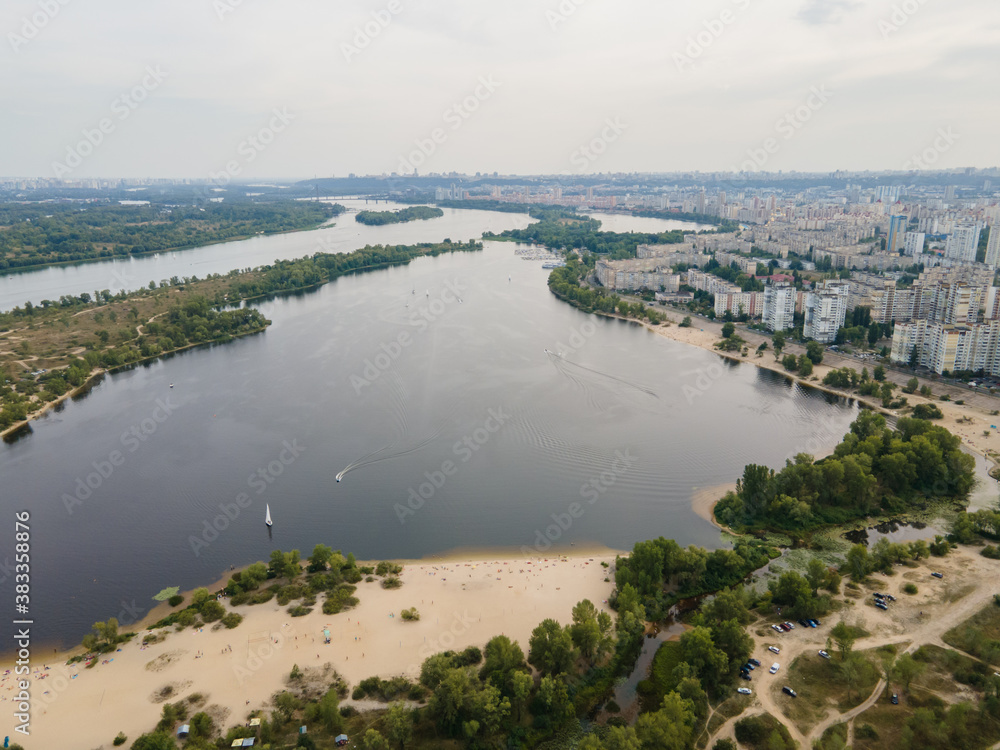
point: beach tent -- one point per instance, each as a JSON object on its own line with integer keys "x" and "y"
{"x": 255, "y": 722}
{"x": 326, "y": 635}
{"x": 184, "y": 731}
{"x": 248, "y": 742}
{"x": 341, "y": 740}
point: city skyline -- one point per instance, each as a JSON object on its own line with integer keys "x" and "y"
{"x": 570, "y": 87}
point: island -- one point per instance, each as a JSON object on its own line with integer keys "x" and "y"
{"x": 414, "y": 213}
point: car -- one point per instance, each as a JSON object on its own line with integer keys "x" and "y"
{"x": 881, "y": 606}
{"x": 890, "y": 597}
{"x": 788, "y": 691}
{"x": 750, "y": 666}
{"x": 812, "y": 623}
{"x": 774, "y": 668}
{"x": 755, "y": 662}
{"x": 895, "y": 699}
{"x": 878, "y": 595}
{"x": 745, "y": 676}
{"x": 744, "y": 691}
{"x": 778, "y": 628}
{"x": 817, "y": 623}
{"x": 774, "y": 649}
{"x": 803, "y": 623}
{"x": 789, "y": 625}
{"x": 938, "y": 575}
{"x": 824, "y": 654}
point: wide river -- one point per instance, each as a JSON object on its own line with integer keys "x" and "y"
{"x": 464, "y": 404}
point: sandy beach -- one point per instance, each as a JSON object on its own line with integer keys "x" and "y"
{"x": 461, "y": 603}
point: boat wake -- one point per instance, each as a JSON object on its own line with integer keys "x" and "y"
{"x": 568, "y": 368}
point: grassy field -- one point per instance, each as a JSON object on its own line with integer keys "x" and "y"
{"x": 822, "y": 688}
{"x": 979, "y": 635}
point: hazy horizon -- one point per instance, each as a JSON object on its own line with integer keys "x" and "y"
{"x": 198, "y": 90}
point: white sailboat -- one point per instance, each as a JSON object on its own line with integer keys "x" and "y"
{"x": 267, "y": 515}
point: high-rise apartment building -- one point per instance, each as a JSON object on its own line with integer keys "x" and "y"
{"x": 897, "y": 234}
{"x": 963, "y": 243}
{"x": 993, "y": 247}
{"x": 825, "y": 311}
{"x": 779, "y": 306}
{"x": 913, "y": 244}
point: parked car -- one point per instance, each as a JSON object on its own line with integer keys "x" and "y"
{"x": 824, "y": 654}
{"x": 803, "y": 623}
{"x": 881, "y": 606}
{"x": 895, "y": 699}
{"x": 774, "y": 668}
{"x": 816, "y": 623}
{"x": 745, "y": 676}
{"x": 774, "y": 649}
{"x": 750, "y": 666}
{"x": 744, "y": 691}
{"x": 789, "y": 625}
{"x": 755, "y": 662}
{"x": 890, "y": 597}
{"x": 788, "y": 691}
{"x": 878, "y": 595}
{"x": 778, "y": 628}
{"x": 938, "y": 575}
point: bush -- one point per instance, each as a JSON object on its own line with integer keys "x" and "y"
{"x": 121, "y": 739}
{"x": 866, "y": 732}
{"x": 358, "y": 694}
{"x": 174, "y": 601}
{"x": 927, "y": 411}
{"x": 993, "y": 553}
{"x": 391, "y": 582}
{"x": 410, "y": 615}
{"x": 212, "y": 611}
{"x": 231, "y": 620}
{"x": 299, "y": 611}
{"x": 910, "y": 588}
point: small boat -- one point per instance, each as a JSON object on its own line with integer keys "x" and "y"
{"x": 267, "y": 516}
{"x": 428, "y": 292}
{"x": 171, "y": 385}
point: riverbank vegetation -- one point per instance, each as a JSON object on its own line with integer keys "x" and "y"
{"x": 415, "y": 213}
{"x": 565, "y": 283}
{"x": 38, "y": 234}
{"x": 585, "y": 234}
{"x": 874, "y": 469}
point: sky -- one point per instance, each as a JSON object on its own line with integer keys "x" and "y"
{"x": 253, "y": 90}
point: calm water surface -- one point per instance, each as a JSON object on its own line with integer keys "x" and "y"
{"x": 429, "y": 379}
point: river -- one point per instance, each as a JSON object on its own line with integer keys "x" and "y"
{"x": 467, "y": 406}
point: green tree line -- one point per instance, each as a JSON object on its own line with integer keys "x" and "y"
{"x": 414, "y": 213}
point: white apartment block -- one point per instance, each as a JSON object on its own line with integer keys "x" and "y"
{"x": 913, "y": 245}
{"x": 779, "y": 306}
{"x": 825, "y": 311}
{"x": 941, "y": 346}
{"x": 737, "y": 303}
{"x": 993, "y": 247}
{"x": 630, "y": 275}
{"x": 963, "y": 242}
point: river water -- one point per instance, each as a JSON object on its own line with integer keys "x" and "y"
{"x": 462, "y": 404}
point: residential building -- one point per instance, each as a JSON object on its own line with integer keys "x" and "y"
{"x": 913, "y": 245}
{"x": 630, "y": 275}
{"x": 825, "y": 311}
{"x": 963, "y": 243}
{"x": 737, "y": 303}
{"x": 897, "y": 234}
{"x": 779, "y": 306}
{"x": 993, "y": 247}
{"x": 945, "y": 347}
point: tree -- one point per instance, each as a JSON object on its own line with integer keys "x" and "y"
{"x": 728, "y": 329}
{"x": 911, "y": 385}
{"x": 399, "y": 725}
{"x": 874, "y": 334}
{"x": 686, "y": 323}
{"x": 816, "y": 574}
{"x": 879, "y": 373}
{"x": 550, "y": 649}
{"x": 670, "y": 728}
{"x": 843, "y": 635}
{"x": 201, "y": 725}
{"x": 319, "y": 558}
{"x": 521, "y": 684}
{"x": 906, "y": 669}
{"x": 589, "y": 631}
{"x": 503, "y": 658}
{"x": 155, "y": 741}
{"x": 814, "y": 350}
{"x": 790, "y": 362}
{"x": 778, "y": 342}
{"x": 858, "y": 564}
{"x": 374, "y": 741}
{"x": 724, "y": 744}
{"x": 805, "y": 366}
{"x": 710, "y": 663}
{"x": 852, "y": 671}
{"x": 554, "y": 696}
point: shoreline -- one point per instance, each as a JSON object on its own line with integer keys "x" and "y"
{"x": 462, "y": 603}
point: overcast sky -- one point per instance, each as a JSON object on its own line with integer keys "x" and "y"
{"x": 361, "y": 100}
